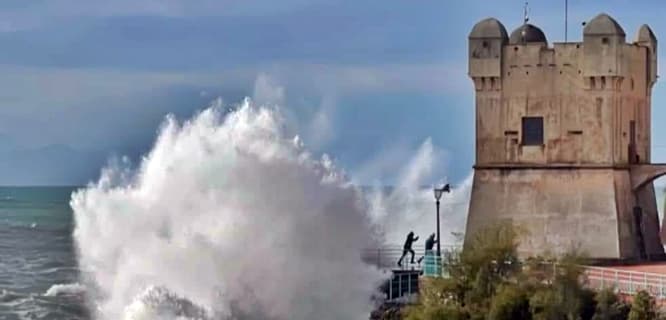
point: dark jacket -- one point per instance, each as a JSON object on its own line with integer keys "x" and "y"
{"x": 430, "y": 243}
{"x": 410, "y": 240}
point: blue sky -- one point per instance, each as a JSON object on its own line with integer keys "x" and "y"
{"x": 366, "y": 81}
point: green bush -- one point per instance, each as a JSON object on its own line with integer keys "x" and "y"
{"x": 544, "y": 306}
{"x": 609, "y": 307}
{"x": 487, "y": 282}
{"x": 443, "y": 312}
{"x": 509, "y": 303}
{"x": 643, "y": 307}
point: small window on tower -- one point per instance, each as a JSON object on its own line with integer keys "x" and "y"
{"x": 532, "y": 131}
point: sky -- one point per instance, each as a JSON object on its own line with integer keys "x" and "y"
{"x": 368, "y": 82}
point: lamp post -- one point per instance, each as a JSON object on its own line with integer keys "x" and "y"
{"x": 438, "y": 195}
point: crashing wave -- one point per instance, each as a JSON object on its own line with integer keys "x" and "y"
{"x": 65, "y": 289}
{"x": 158, "y": 303}
{"x": 227, "y": 203}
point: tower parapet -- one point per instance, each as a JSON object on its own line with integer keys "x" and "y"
{"x": 603, "y": 45}
{"x": 486, "y": 42}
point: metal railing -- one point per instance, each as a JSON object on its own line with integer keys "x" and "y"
{"x": 622, "y": 281}
{"x": 387, "y": 257}
{"x": 626, "y": 281}
{"x": 403, "y": 285}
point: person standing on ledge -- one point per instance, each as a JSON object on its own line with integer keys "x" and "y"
{"x": 429, "y": 244}
{"x": 411, "y": 238}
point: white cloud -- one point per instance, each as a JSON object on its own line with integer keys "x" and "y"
{"x": 32, "y": 14}
{"x": 441, "y": 78}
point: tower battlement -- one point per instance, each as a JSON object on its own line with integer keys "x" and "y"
{"x": 573, "y": 115}
{"x": 589, "y": 98}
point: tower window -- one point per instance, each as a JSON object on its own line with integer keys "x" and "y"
{"x": 604, "y": 40}
{"x": 532, "y": 131}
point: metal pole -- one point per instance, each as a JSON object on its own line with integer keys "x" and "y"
{"x": 390, "y": 293}
{"x": 409, "y": 285}
{"x": 399, "y": 285}
{"x": 439, "y": 240}
{"x": 566, "y": 19}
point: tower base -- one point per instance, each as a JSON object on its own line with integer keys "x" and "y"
{"x": 590, "y": 209}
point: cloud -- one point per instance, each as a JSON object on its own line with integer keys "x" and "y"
{"x": 23, "y": 15}
{"x": 435, "y": 78}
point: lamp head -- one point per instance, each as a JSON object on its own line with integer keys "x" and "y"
{"x": 438, "y": 192}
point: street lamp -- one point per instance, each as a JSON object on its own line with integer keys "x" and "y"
{"x": 438, "y": 195}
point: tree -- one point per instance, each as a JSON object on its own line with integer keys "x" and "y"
{"x": 544, "y": 306}
{"x": 487, "y": 282}
{"x": 609, "y": 307}
{"x": 509, "y": 303}
{"x": 442, "y": 312}
{"x": 643, "y": 307}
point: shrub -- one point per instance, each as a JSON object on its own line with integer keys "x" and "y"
{"x": 510, "y": 302}
{"x": 643, "y": 307}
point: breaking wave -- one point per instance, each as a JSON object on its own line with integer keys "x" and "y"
{"x": 65, "y": 289}
{"x": 228, "y": 218}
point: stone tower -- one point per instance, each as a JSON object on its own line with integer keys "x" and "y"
{"x": 563, "y": 139}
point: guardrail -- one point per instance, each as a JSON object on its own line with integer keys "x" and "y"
{"x": 387, "y": 257}
{"x": 402, "y": 285}
{"x": 625, "y": 282}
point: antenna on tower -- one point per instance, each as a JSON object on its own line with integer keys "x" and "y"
{"x": 526, "y": 16}
{"x": 566, "y": 19}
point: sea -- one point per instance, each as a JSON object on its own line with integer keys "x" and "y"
{"x": 39, "y": 278}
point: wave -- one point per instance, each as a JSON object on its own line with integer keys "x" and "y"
{"x": 65, "y": 289}
{"x": 9, "y": 296}
{"x": 158, "y": 303}
{"x": 233, "y": 215}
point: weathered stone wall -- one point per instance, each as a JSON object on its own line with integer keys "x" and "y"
{"x": 559, "y": 208}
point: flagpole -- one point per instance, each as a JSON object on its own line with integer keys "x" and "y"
{"x": 526, "y": 17}
{"x": 566, "y": 19}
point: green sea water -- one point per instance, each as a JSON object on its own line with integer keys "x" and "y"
{"x": 39, "y": 278}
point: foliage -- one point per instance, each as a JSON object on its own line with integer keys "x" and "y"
{"x": 609, "y": 307}
{"x": 542, "y": 306}
{"x": 440, "y": 312}
{"x": 510, "y": 302}
{"x": 486, "y": 281}
{"x": 643, "y": 307}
